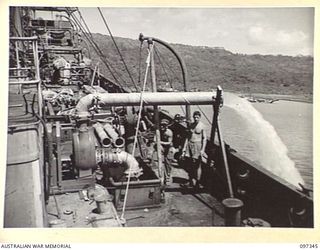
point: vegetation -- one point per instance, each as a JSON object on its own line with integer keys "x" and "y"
{"x": 209, "y": 67}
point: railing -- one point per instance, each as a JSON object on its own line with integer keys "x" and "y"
{"x": 24, "y": 70}
{"x": 23, "y": 61}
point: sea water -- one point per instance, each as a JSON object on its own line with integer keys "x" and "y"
{"x": 293, "y": 122}
{"x": 269, "y": 150}
{"x": 277, "y": 136}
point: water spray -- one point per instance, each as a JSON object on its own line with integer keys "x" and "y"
{"x": 273, "y": 154}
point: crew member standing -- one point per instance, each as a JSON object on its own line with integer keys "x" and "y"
{"x": 166, "y": 136}
{"x": 194, "y": 149}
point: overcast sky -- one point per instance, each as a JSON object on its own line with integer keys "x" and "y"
{"x": 286, "y": 31}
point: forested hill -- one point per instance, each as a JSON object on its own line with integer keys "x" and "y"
{"x": 208, "y": 67}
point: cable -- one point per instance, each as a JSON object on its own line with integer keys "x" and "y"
{"x": 164, "y": 70}
{"x": 99, "y": 52}
{"x": 136, "y": 133}
{"x": 170, "y": 68}
{"x": 204, "y": 114}
{"x": 122, "y": 59}
{"x": 93, "y": 44}
{"x": 97, "y": 49}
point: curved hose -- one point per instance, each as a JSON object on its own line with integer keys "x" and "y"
{"x": 181, "y": 63}
{"x": 122, "y": 158}
{"x": 84, "y": 104}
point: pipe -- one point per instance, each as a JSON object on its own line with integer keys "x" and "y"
{"x": 216, "y": 107}
{"x": 122, "y": 157}
{"x": 85, "y": 103}
{"x": 111, "y": 132}
{"x": 24, "y": 82}
{"x": 161, "y": 170}
{"x": 30, "y": 38}
{"x": 47, "y": 129}
{"x": 149, "y": 98}
{"x": 119, "y": 142}
{"x": 181, "y": 62}
{"x": 102, "y": 135}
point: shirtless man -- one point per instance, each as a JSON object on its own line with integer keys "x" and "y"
{"x": 194, "y": 148}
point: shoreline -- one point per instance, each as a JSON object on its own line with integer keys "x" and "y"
{"x": 293, "y": 98}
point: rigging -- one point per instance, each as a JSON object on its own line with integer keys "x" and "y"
{"x": 97, "y": 49}
{"x": 157, "y": 52}
{"x": 115, "y": 44}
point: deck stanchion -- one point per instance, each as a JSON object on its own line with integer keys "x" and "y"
{"x": 232, "y": 206}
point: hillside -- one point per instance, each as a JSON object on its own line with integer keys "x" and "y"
{"x": 208, "y": 67}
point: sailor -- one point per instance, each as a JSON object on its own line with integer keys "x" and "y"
{"x": 148, "y": 117}
{"x": 177, "y": 131}
{"x": 194, "y": 149}
{"x": 166, "y": 136}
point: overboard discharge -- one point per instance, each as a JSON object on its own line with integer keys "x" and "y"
{"x": 273, "y": 154}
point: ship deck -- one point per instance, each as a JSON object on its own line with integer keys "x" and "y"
{"x": 182, "y": 207}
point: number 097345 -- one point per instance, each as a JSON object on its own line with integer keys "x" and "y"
{"x": 308, "y": 246}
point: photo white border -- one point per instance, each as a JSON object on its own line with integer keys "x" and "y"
{"x": 157, "y": 235}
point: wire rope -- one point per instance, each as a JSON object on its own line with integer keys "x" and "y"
{"x": 136, "y": 133}
{"x": 103, "y": 58}
{"x": 116, "y": 45}
{"x": 162, "y": 66}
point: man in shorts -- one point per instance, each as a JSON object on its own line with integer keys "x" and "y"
{"x": 194, "y": 149}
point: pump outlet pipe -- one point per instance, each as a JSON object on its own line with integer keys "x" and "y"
{"x": 149, "y": 99}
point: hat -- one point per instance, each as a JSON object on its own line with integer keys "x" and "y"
{"x": 164, "y": 122}
{"x": 149, "y": 109}
{"x": 197, "y": 113}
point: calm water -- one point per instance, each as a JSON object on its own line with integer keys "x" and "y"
{"x": 292, "y": 122}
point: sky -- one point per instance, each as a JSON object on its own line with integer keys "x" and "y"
{"x": 285, "y": 31}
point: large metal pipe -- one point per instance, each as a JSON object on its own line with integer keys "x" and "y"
{"x": 121, "y": 158}
{"x": 111, "y": 131}
{"x": 156, "y": 117}
{"x": 118, "y": 142}
{"x": 149, "y": 98}
{"x": 102, "y": 135}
